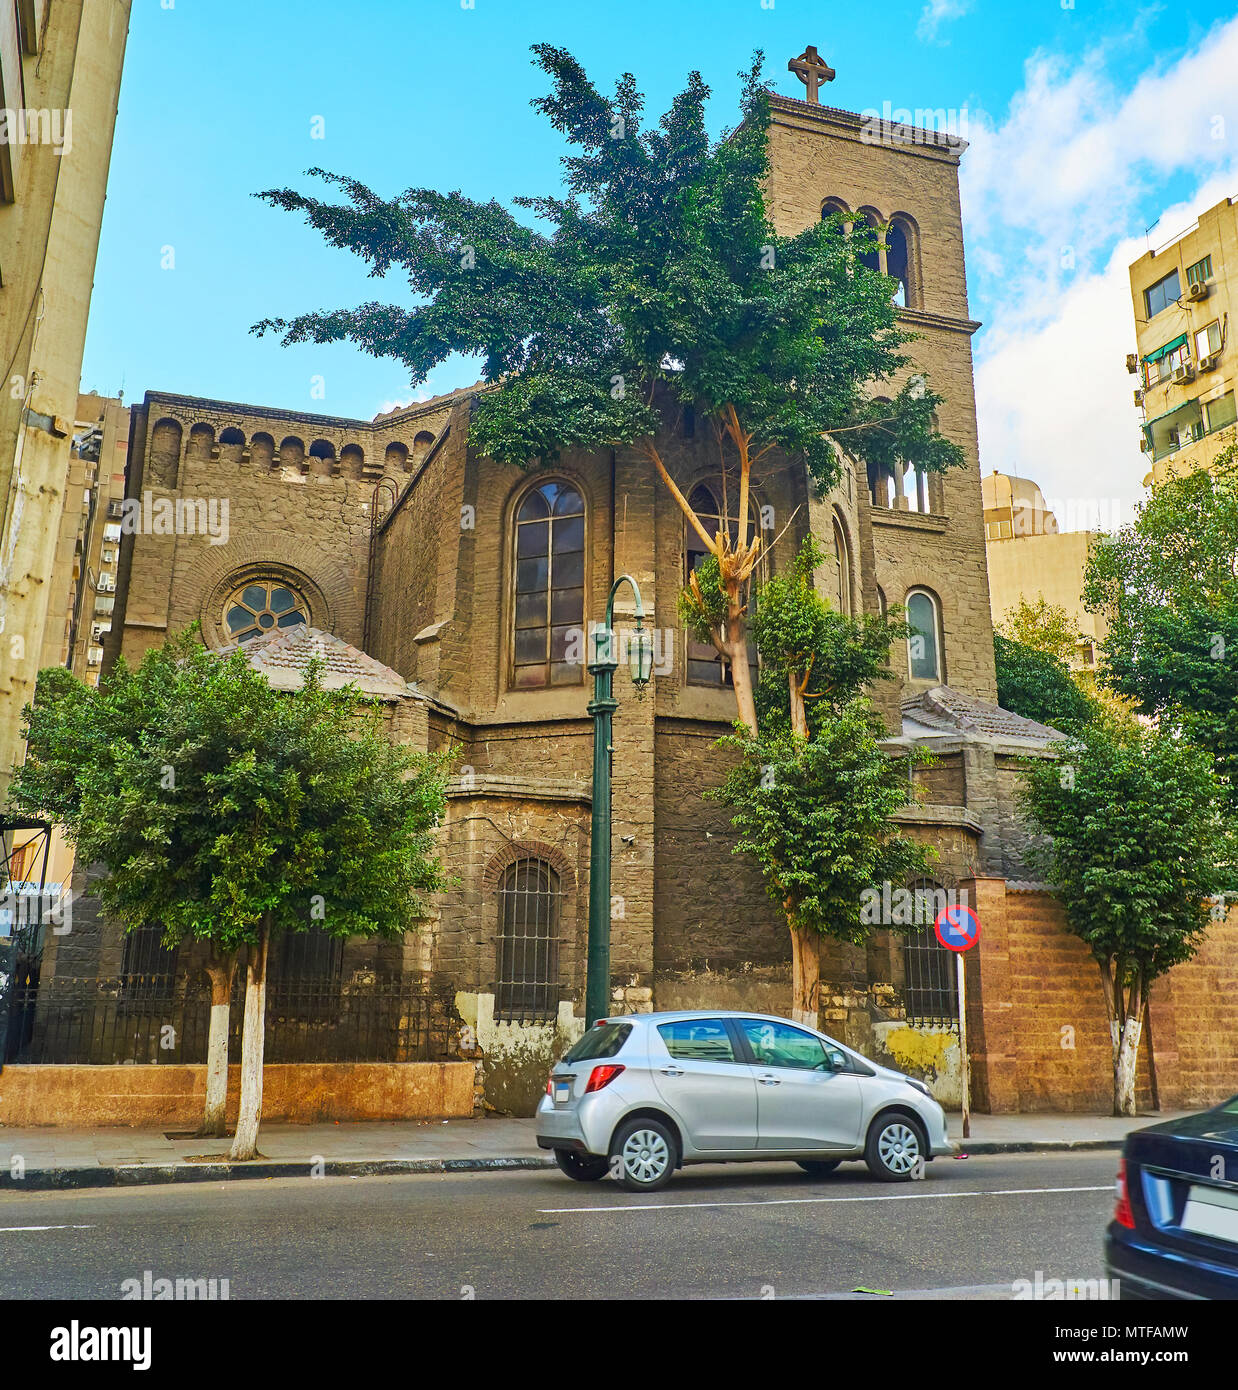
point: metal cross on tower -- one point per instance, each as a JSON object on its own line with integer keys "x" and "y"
{"x": 813, "y": 71}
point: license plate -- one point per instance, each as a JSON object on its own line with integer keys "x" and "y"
{"x": 563, "y": 1092}
{"x": 1211, "y": 1212}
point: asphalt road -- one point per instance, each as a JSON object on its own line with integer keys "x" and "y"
{"x": 968, "y": 1230}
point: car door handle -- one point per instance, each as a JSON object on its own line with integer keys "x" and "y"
{"x": 672, "y": 1071}
{"x": 770, "y": 1080}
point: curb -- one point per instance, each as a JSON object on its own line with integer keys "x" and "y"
{"x": 1035, "y": 1146}
{"x": 159, "y": 1174}
{"x": 163, "y": 1174}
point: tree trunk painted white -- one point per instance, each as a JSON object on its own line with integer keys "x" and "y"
{"x": 221, "y": 971}
{"x": 253, "y": 1037}
{"x": 1125, "y": 1070}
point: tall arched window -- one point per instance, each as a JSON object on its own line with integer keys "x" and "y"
{"x": 842, "y": 559}
{"x": 527, "y": 988}
{"x": 903, "y": 259}
{"x": 924, "y": 646}
{"x": 549, "y": 607}
{"x": 875, "y": 259}
{"x": 705, "y": 665}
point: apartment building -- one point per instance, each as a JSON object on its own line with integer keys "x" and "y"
{"x": 1182, "y": 294}
{"x": 60, "y": 69}
{"x": 1030, "y": 558}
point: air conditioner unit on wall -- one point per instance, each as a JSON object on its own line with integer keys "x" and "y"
{"x": 1138, "y": 397}
{"x": 1208, "y": 363}
{"x": 1197, "y": 291}
{"x": 1132, "y": 363}
{"x": 1186, "y": 372}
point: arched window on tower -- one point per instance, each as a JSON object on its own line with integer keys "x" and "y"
{"x": 924, "y": 645}
{"x": 903, "y": 260}
{"x": 549, "y": 592}
{"x": 874, "y": 259}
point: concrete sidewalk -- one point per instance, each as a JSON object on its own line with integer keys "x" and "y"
{"x": 67, "y": 1158}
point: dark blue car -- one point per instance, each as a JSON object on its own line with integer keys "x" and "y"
{"x": 1174, "y": 1232}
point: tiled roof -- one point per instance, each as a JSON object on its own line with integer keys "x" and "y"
{"x": 953, "y": 712}
{"x": 284, "y": 654}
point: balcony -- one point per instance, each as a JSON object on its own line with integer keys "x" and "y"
{"x": 1187, "y": 424}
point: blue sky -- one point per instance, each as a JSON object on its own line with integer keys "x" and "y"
{"x": 1086, "y": 123}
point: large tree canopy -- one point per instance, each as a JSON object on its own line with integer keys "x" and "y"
{"x": 659, "y": 269}
{"x": 655, "y": 284}
{"x": 1168, "y": 586}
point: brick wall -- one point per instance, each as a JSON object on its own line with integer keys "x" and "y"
{"x": 1040, "y": 1034}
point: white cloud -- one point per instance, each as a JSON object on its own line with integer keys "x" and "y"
{"x": 1061, "y": 187}
{"x": 936, "y": 12}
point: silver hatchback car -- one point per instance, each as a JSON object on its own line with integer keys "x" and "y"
{"x": 645, "y": 1094}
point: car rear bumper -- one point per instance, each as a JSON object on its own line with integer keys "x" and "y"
{"x": 1146, "y": 1270}
{"x": 585, "y": 1126}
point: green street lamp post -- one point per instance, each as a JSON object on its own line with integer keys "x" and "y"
{"x": 602, "y": 707}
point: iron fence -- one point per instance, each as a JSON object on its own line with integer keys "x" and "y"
{"x": 157, "y": 1018}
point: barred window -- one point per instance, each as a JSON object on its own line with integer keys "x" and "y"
{"x": 930, "y": 992}
{"x": 528, "y": 947}
{"x": 148, "y": 967}
{"x": 548, "y": 639}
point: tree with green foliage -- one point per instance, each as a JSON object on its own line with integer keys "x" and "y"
{"x": 1167, "y": 585}
{"x": 657, "y": 284}
{"x": 1138, "y": 852}
{"x": 1045, "y": 627}
{"x": 1039, "y": 686}
{"x": 812, "y": 794}
{"x": 228, "y": 812}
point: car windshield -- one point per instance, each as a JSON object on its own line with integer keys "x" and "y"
{"x": 603, "y": 1041}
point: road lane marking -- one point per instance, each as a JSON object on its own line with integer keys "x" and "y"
{"x": 5, "y": 1229}
{"x": 822, "y": 1201}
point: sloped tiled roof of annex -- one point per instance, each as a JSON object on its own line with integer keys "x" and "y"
{"x": 283, "y": 655}
{"x": 954, "y": 712}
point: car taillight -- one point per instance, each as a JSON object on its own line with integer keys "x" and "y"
{"x": 602, "y": 1076}
{"x": 1122, "y": 1213}
{"x": 550, "y": 1084}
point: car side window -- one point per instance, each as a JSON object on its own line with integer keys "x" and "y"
{"x": 698, "y": 1040}
{"x": 780, "y": 1045}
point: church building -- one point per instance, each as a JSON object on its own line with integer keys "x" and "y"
{"x": 456, "y": 591}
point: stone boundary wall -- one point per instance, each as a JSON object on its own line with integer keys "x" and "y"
{"x": 292, "y": 1093}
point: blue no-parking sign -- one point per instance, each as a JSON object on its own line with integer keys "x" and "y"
{"x": 957, "y": 927}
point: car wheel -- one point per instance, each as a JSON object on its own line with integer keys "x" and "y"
{"x": 647, "y": 1155}
{"x": 895, "y": 1149}
{"x": 581, "y": 1167}
{"x": 818, "y": 1167}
